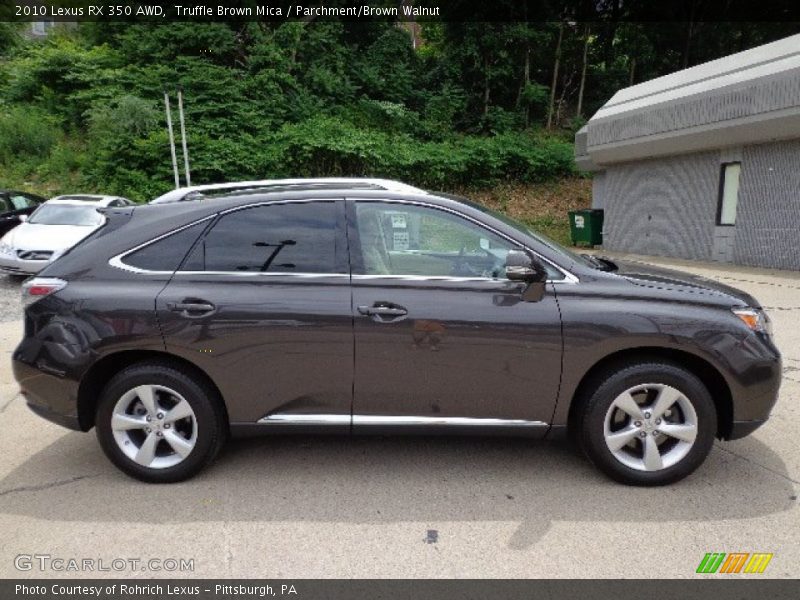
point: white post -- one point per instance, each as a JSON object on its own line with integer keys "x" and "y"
{"x": 183, "y": 138}
{"x": 171, "y": 141}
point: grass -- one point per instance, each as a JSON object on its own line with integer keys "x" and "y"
{"x": 542, "y": 206}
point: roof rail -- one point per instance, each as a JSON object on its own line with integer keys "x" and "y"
{"x": 343, "y": 182}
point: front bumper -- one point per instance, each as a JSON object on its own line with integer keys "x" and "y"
{"x": 11, "y": 265}
{"x": 740, "y": 429}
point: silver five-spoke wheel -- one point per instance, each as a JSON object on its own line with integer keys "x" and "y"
{"x": 154, "y": 426}
{"x": 650, "y": 427}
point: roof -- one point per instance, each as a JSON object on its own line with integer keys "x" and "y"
{"x": 745, "y": 98}
{"x": 180, "y": 194}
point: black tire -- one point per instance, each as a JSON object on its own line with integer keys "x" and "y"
{"x": 208, "y": 412}
{"x": 590, "y": 417}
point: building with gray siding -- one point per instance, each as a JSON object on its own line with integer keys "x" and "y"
{"x": 703, "y": 163}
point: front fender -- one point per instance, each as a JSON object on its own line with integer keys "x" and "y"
{"x": 597, "y": 328}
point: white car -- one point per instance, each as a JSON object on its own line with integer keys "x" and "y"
{"x": 51, "y": 230}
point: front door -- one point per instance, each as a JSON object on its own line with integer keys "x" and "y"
{"x": 441, "y": 336}
{"x": 262, "y": 304}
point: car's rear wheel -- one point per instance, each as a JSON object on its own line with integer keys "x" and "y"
{"x": 158, "y": 424}
{"x": 649, "y": 423}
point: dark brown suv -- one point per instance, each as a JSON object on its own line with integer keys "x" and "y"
{"x": 370, "y": 307}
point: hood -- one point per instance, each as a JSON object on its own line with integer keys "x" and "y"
{"x": 667, "y": 279}
{"x": 30, "y": 236}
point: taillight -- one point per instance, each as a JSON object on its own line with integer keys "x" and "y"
{"x": 40, "y": 287}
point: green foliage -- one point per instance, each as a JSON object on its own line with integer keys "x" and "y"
{"x": 324, "y": 146}
{"x": 387, "y": 69}
{"x": 535, "y": 96}
{"x": 9, "y": 36}
{"x": 126, "y": 116}
{"x": 83, "y": 108}
{"x": 25, "y": 134}
{"x": 62, "y": 76}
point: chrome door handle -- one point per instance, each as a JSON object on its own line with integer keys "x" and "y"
{"x": 187, "y": 308}
{"x": 383, "y": 312}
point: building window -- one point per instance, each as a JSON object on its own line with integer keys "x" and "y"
{"x": 728, "y": 193}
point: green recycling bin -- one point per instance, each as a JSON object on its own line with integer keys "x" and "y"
{"x": 586, "y": 226}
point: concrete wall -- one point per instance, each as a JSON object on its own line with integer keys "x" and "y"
{"x": 668, "y": 206}
{"x": 768, "y": 216}
{"x": 664, "y": 207}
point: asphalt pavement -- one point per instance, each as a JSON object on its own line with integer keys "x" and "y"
{"x": 402, "y": 507}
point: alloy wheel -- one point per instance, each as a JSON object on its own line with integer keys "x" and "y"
{"x": 650, "y": 427}
{"x": 154, "y": 426}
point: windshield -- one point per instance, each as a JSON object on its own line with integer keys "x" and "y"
{"x": 66, "y": 214}
{"x": 541, "y": 238}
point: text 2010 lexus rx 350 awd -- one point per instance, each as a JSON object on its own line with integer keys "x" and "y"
{"x": 369, "y": 306}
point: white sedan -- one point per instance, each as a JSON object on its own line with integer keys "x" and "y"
{"x": 51, "y": 230}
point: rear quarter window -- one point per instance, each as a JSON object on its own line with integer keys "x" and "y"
{"x": 167, "y": 253}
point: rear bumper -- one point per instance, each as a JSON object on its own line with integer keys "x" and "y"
{"x": 48, "y": 394}
{"x": 68, "y": 421}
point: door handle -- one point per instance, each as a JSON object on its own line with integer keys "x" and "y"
{"x": 383, "y": 312}
{"x": 191, "y": 309}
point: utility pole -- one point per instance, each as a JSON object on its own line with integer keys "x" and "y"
{"x": 183, "y": 137}
{"x": 551, "y": 108}
{"x": 171, "y": 141}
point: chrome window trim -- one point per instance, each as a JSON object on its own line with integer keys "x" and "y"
{"x": 117, "y": 261}
{"x": 264, "y": 274}
{"x": 427, "y": 278}
{"x": 344, "y": 419}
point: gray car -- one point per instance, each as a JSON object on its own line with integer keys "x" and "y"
{"x": 373, "y": 307}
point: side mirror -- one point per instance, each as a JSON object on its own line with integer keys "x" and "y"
{"x": 521, "y": 266}
{"x": 23, "y": 218}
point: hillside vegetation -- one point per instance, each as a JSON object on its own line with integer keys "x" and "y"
{"x": 470, "y": 108}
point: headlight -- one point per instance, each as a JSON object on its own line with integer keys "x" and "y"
{"x": 755, "y": 319}
{"x": 6, "y": 249}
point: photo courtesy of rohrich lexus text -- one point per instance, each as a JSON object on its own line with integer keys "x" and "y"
{"x": 402, "y": 299}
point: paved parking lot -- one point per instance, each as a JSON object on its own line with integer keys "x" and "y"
{"x": 406, "y": 507}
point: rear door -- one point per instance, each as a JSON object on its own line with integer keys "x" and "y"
{"x": 441, "y": 336}
{"x": 262, "y": 304}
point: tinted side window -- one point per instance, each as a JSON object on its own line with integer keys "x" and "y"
{"x": 278, "y": 238}
{"x": 167, "y": 253}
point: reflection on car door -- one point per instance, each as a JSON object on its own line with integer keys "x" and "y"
{"x": 262, "y": 304}
{"x": 441, "y": 336}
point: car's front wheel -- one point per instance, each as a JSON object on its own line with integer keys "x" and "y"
{"x": 649, "y": 423}
{"x": 158, "y": 424}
